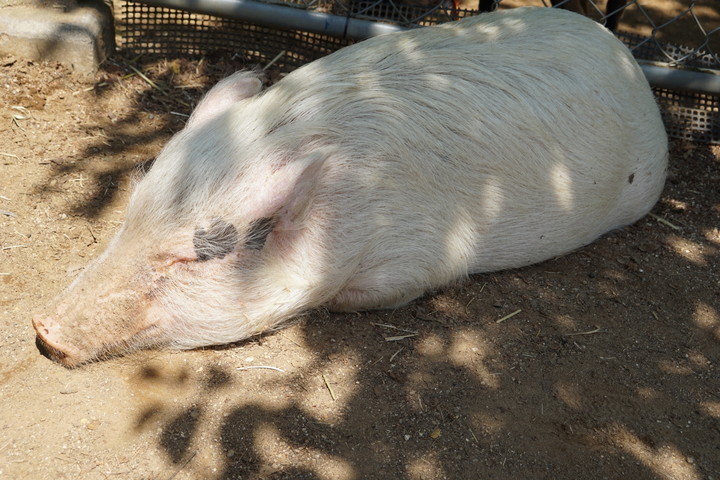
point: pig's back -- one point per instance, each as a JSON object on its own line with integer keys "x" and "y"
{"x": 504, "y": 140}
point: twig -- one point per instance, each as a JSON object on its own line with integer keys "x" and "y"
{"x": 589, "y": 332}
{"x": 277, "y": 57}
{"x": 395, "y": 354}
{"x": 23, "y": 115}
{"x": 290, "y": 339}
{"x": 179, "y": 114}
{"x": 400, "y": 337}
{"x": 266, "y": 367}
{"x": 142, "y": 75}
{"x": 101, "y": 84}
{"x": 11, "y": 155}
{"x": 23, "y": 110}
{"x": 92, "y": 235}
{"x": 393, "y": 327}
{"x": 182, "y": 466}
{"x": 9, "y": 214}
{"x": 664, "y": 222}
{"x": 509, "y": 315}
{"x": 13, "y": 246}
{"x": 327, "y": 384}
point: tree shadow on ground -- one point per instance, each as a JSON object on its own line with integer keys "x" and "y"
{"x": 610, "y": 365}
{"x": 610, "y": 368}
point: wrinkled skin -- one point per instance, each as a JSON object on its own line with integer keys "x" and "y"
{"x": 98, "y": 329}
{"x": 118, "y": 306}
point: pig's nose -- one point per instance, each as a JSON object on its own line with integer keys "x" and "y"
{"x": 48, "y": 345}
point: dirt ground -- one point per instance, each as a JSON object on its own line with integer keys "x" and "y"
{"x": 608, "y": 369}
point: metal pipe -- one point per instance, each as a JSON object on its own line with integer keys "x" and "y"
{"x": 282, "y": 17}
{"x": 684, "y": 79}
{"x": 288, "y": 18}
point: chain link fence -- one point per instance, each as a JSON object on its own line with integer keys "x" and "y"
{"x": 680, "y": 34}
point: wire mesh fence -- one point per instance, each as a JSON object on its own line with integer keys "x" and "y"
{"x": 683, "y": 33}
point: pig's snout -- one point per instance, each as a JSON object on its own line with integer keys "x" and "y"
{"x": 64, "y": 345}
{"x": 50, "y": 344}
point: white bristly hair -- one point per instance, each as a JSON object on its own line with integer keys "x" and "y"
{"x": 388, "y": 168}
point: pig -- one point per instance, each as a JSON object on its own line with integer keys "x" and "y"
{"x": 371, "y": 176}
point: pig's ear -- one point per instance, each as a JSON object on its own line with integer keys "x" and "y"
{"x": 289, "y": 189}
{"x": 227, "y": 91}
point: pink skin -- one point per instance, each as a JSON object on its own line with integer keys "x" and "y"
{"x": 117, "y": 305}
{"x": 317, "y": 192}
{"x": 51, "y": 342}
{"x": 95, "y": 332}
{"x": 63, "y": 343}
{"x": 48, "y": 341}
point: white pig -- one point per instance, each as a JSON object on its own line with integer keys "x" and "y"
{"x": 368, "y": 177}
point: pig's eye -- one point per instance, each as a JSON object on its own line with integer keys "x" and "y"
{"x": 218, "y": 240}
{"x": 258, "y": 232}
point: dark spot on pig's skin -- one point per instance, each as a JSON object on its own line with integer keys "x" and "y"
{"x": 215, "y": 242}
{"x": 631, "y": 178}
{"x": 258, "y": 232}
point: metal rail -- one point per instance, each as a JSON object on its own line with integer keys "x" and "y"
{"x": 662, "y": 75}
{"x": 283, "y": 17}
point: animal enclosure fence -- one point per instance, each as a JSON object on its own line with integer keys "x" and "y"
{"x": 678, "y": 45}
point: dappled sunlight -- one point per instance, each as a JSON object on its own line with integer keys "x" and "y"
{"x": 674, "y": 368}
{"x": 713, "y": 235}
{"x": 458, "y": 239}
{"x": 707, "y": 319}
{"x": 698, "y": 359}
{"x": 608, "y": 282}
{"x": 569, "y": 394}
{"x": 563, "y": 184}
{"x": 465, "y": 349}
{"x": 711, "y": 409}
{"x": 426, "y": 465}
{"x": 647, "y": 393}
{"x": 487, "y": 424}
{"x": 469, "y": 349}
{"x": 340, "y": 386}
{"x": 492, "y": 198}
{"x": 277, "y": 454}
{"x": 666, "y": 461}
{"x": 452, "y": 385}
{"x": 431, "y": 346}
{"x": 691, "y": 251}
{"x": 566, "y": 322}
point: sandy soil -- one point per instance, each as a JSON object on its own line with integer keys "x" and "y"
{"x": 609, "y": 370}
